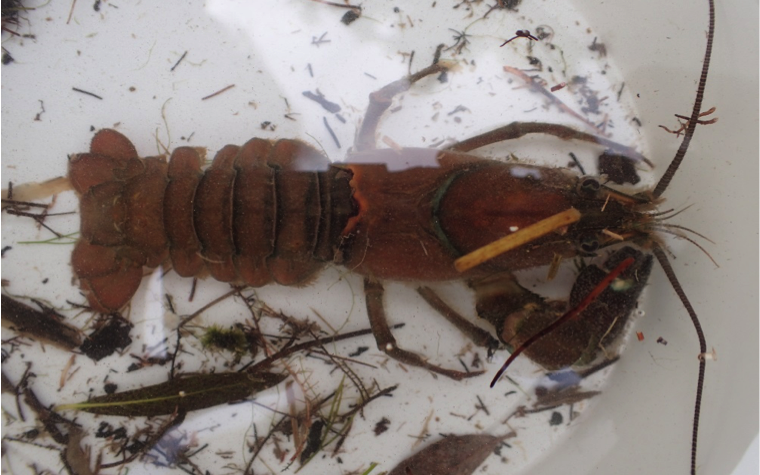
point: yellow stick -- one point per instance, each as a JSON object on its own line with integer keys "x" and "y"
{"x": 517, "y": 239}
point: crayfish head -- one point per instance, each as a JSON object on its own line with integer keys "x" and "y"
{"x": 610, "y": 217}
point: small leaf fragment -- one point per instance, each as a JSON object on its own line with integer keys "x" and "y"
{"x": 45, "y": 324}
{"x": 453, "y": 455}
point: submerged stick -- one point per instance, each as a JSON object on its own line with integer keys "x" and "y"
{"x": 517, "y": 239}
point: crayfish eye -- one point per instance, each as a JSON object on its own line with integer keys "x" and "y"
{"x": 588, "y": 186}
{"x": 589, "y": 244}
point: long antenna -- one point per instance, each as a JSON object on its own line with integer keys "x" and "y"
{"x": 663, "y": 259}
{"x": 662, "y": 185}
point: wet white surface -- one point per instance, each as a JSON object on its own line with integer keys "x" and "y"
{"x": 641, "y": 423}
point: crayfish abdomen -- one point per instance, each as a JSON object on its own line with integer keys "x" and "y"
{"x": 255, "y": 216}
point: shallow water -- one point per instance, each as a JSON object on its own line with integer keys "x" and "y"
{"x": 271, "y": 53}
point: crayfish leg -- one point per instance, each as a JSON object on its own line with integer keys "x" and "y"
{"x": 387, "y": 343}
{"x": 478, "y": 336}
{"x": 516, "y": 130}
{"x": 380, "y": 101}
